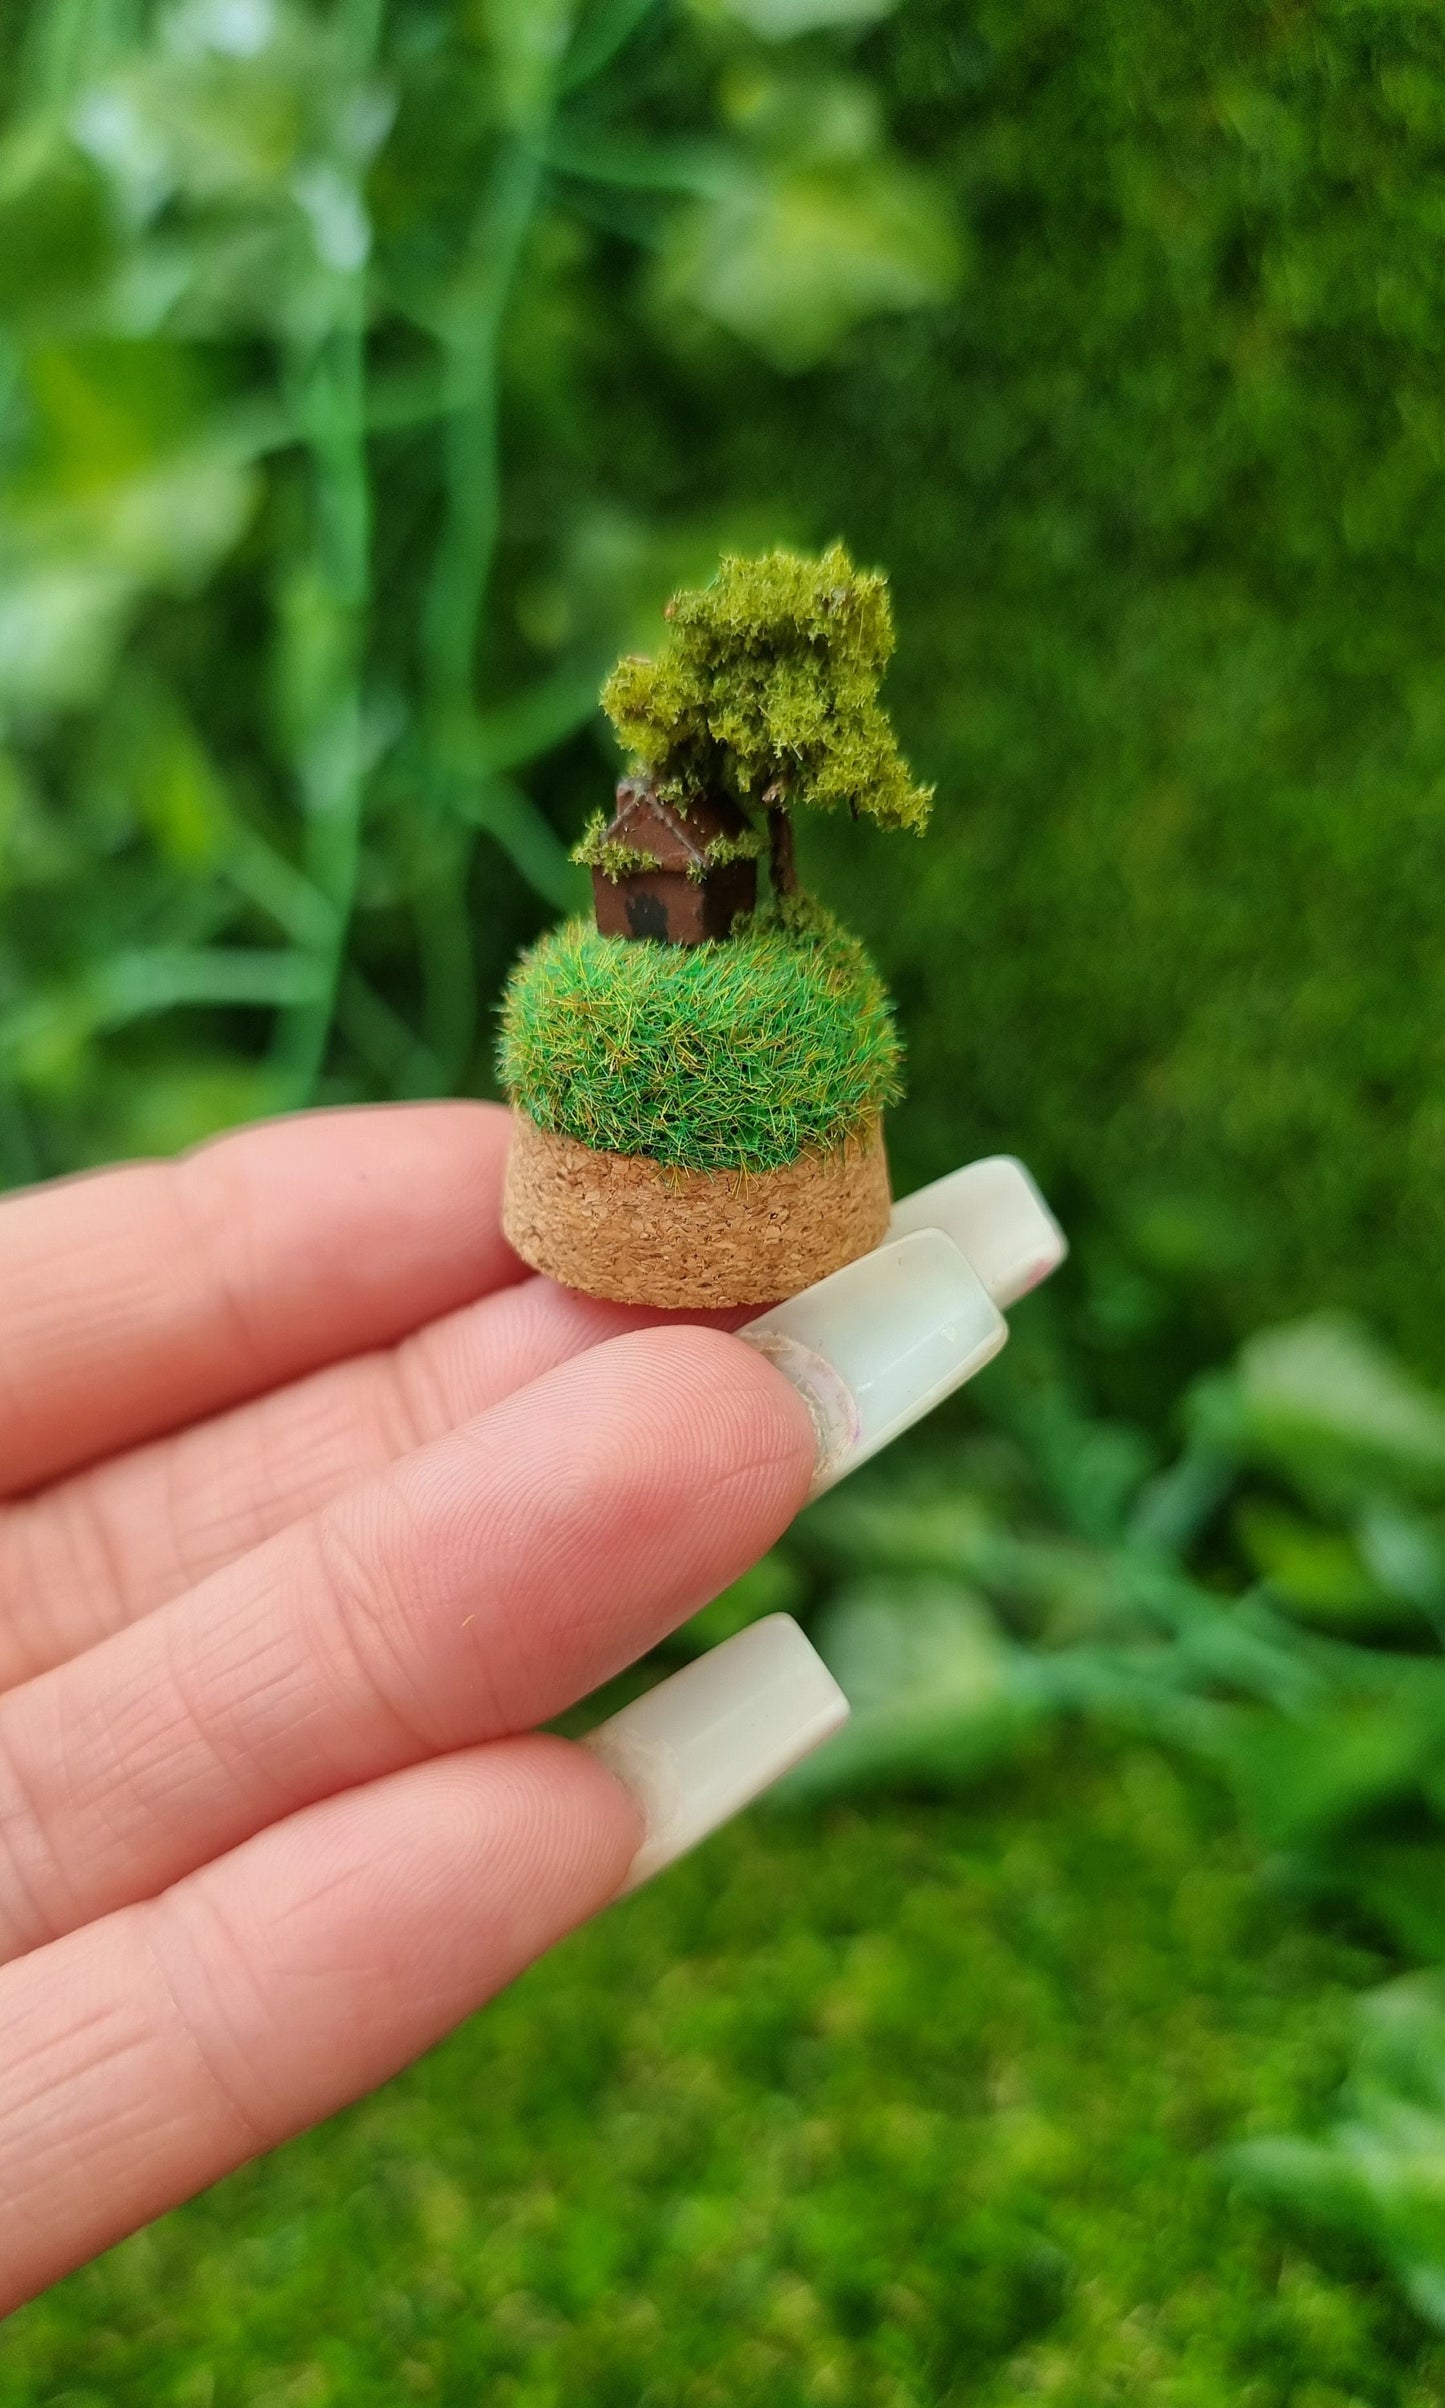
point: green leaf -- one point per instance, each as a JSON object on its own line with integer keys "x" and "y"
{"x": 1353, "y": 1756}
{"x": 1377, "y": 2176}
{"x": 57, "y": 242}
{"x": 1398, "y": 1883}
{"x": 531, "y": 722}
{"x": 605, "y": 29}
{"x": 61, "y": 623}
{"x": 125, "y": 493}
{"x": 513, "y": 821}
{"x": 528, "y": 41}
{"x": 699, "y": 168}
{"x": 785, "y": 20}
{"x": 937, "y": 1694}
{"x": 1317, "y": 1573}
{"x": 794, "y": 260}
{"x": 1325, "y": 1401}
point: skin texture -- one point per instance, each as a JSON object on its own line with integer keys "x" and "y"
{"x": 312, "y": 1506}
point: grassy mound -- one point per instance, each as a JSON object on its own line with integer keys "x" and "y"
{"x": 736, "y": 1056}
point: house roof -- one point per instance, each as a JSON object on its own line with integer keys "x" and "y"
{"x": 677, "y": 840}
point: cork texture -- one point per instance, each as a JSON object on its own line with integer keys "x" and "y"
{"x": 624, "y": 1226}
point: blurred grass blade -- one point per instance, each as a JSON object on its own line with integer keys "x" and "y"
{"x": 540, "y": 716}
{"x": 513, "y": 821}
{"x": 268, "y": 880}
{"x": 605, "y": 30}
{"x": 786, "y": 20}
{"x": 139, "y": 983}
{"x": 386, "y": 1041}
{"x": 703, "y": 170}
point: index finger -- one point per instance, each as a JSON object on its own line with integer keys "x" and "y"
{"x": 134, "y": 1300}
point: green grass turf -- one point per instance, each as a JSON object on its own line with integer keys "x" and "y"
{"x": 899, "y": 2107}
{"x": 719, "y": 1057}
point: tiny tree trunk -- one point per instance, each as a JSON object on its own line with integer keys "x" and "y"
{"x": 780, "y": 857}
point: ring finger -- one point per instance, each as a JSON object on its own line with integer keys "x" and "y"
{"x": 481, "y": 1586}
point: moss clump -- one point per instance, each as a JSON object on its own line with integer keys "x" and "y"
{"x": 720, "y": 1057}
{"x": 749, "y": 845}
{"x": 596, "y": 850}
{"x": 768, "y": 686}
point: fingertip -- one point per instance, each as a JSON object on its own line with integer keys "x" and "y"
{"x": 754, "y": 1417}
{"x": 778, "y": 1408}
{"x": 661, "y": 1466}
{"x": 447, "y": 1879}
{"x": 569, "y": 1815}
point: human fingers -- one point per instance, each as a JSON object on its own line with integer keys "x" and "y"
{"x": 477, "y": 1588}
{"x": 134, "y": 1300}
{"x": 151, "y": 2052}
{"x": 96, "y": 1551}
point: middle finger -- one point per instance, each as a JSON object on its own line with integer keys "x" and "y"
{"x": 98, "y": 1550}
{"x": 480, "y": 1586}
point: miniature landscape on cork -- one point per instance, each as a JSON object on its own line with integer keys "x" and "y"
{"x": 699, "y": 1071}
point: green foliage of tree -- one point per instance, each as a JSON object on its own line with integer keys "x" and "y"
{"x": 768, "y": 687}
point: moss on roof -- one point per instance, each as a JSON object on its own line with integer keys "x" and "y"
{"x": 738, "y": 1055}
{"x": 596, "y": 849}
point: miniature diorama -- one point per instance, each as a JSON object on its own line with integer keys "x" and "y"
{"x": 698, "y": 1074}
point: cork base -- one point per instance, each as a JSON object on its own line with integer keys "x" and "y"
{"x": 624, "y": 1226}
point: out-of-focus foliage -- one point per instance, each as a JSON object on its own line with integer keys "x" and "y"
{"x": 1375, "y": 2176}
{"x": 1160, "y": 497}
{"x": 317, "y": 327}
{"x": 1273, "y": 1595}
{"x": 822, "y": 229}
{"x": 1271, "y": 1599}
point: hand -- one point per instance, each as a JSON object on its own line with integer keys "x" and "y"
{"x": 314, "y": 1506}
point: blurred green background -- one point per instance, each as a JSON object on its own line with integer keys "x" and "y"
{"x": 369, "y": 374}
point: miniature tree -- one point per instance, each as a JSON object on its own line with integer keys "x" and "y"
{"x": 699, "y": 1112}
{"x": 768, "y": 690}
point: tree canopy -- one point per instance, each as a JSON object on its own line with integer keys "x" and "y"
{"x": 768, "y": 686}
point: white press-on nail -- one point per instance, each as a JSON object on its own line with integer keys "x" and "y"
{"x": 699, "y": 1747}
{"x": 878, "y": 1344}
{"x": 996, "y": 1216}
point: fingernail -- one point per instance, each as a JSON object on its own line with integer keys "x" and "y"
{"x": 996, "y": 1217}
{"x": 698, "y": 1748}
{"x": 877, "y": 1345}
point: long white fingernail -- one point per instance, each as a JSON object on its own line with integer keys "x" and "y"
{"x": 995, "y": 1216}
{"x": 877, "y": 1345}
{"x": 698, "y": 1748}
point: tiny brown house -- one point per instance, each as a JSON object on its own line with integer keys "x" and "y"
{"x": 677, "y": 877}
